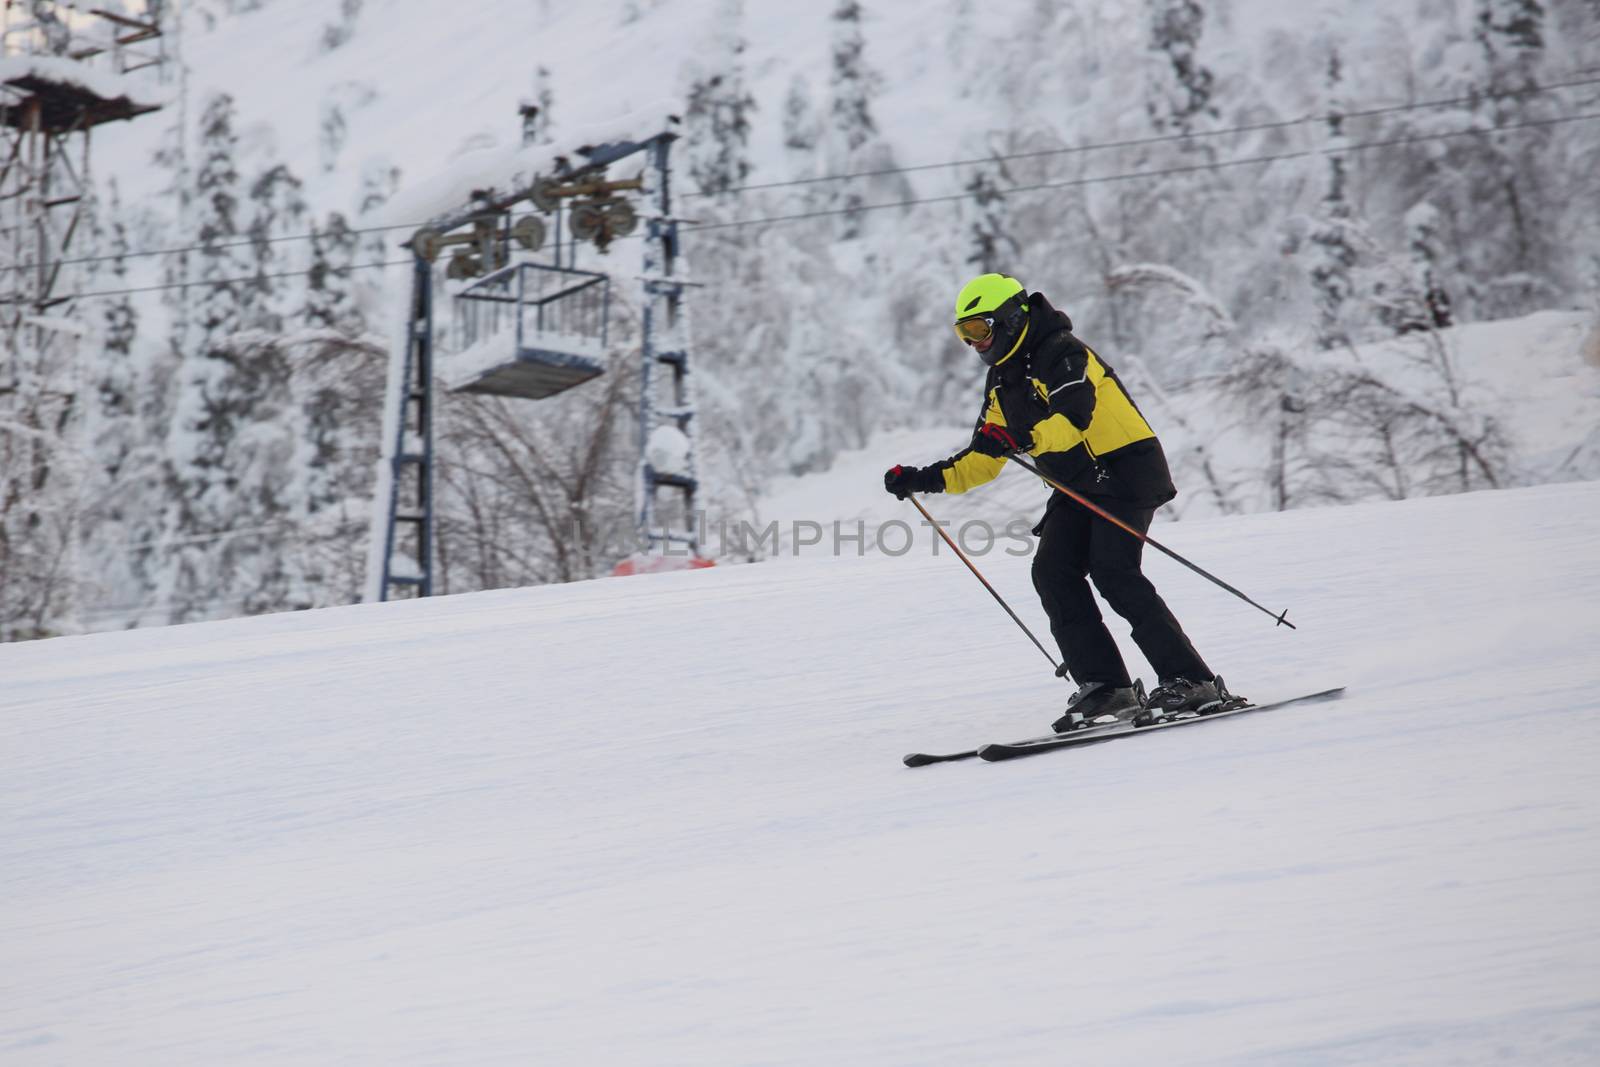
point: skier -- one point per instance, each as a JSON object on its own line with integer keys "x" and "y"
{"x": 1051, "y": 396}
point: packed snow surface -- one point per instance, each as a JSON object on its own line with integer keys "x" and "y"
{"x": 664, "y": 820}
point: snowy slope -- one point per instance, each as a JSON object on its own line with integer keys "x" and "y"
{"x": 418, "y": 83}
{"x": 663, "y": 820}
{"x": 420, "y": 86}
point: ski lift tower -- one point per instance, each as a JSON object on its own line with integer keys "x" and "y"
{"x": 526, "y": 322}
{"x": 63, "y": 71}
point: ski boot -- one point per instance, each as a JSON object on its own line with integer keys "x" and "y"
{"x": 1099, "y": 704}
{"x": 1179, "y": 698}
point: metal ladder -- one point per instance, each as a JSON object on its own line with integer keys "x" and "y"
{"x": 664, "y": 350}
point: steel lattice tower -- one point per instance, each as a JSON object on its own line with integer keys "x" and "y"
{"x": 63, "y": 72}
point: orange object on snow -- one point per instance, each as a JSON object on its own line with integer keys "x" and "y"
{"x": 653, "y": 564}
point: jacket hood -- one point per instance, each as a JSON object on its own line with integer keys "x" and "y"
{"x": 1044, "y": 321}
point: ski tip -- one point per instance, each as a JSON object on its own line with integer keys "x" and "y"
{"x": 922, "y": 759}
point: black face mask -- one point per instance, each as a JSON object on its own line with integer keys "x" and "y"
{"x": 1010, "y": 319}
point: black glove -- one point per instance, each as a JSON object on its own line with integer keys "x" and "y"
{"x": 992, "y": 439}
{"x": 903, "y": 481}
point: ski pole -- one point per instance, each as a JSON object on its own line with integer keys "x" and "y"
{"x": 1060, "y": 668}
{"x": 1283, "y": 619}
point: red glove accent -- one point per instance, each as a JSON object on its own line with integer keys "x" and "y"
{"x": 995, "y": 440}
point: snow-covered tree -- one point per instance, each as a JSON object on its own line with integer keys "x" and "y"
{"x": 337, "y": 375}
{"x": 717, "y": 119}
{"x": 1181, "y": 86}
{"x": 278, "y": 208}
{"x": 1423, "y": 237}
{"x": 799, "y": 117}
{"x": 117, "y": 430}
{"x": 961, "y": 28}
{"x": 338, "y": 34}
{"x": 1200, "y": 338}
{"x": 122, "y": 495}
{"x": 1510, "y": 34}
{"x": 852, "y": 127}
{"x": 227, "y": 451}
{"x": 1332, "y": 238}
{"x": 536, "y": 110}
{"x": 1337, "y": 430}
{"x": 329, "y": 302}
{"x": 379, "y": 180}
{"x": 221, "y": 268}
{"x": 855, "y": 82}
{"x": 339, "y": 103}
{"x": 1271, "y": 386}
{"x": 1408, "y": 294}
{"x": 336, "y": 388}
{"x": 992, "y": 247}
{"x": 56, "y": 34}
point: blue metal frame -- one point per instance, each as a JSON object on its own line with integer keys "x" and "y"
{"x": 417, "y": 386}
{"x": 664, "y": 296}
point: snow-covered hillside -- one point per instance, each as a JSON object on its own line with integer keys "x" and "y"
{"x": 1230, "y": 190}
{"x": 664, "y": 820}
{"x": 1528, "y": 372}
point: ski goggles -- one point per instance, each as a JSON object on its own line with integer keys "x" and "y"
{"x": 976, "y": 331}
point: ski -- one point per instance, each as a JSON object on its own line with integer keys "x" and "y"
{"x": 1033, "y": 746}
{"x": 922, "y": 759}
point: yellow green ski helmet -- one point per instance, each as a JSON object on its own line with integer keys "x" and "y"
{"x": 992, "y": 317}
{"x": 984, "y": 294}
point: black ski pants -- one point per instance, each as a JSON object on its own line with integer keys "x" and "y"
{"x": 1076, "y": 545}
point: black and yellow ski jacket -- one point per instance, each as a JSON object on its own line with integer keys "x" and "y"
{"x": 1087, "y": 433}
